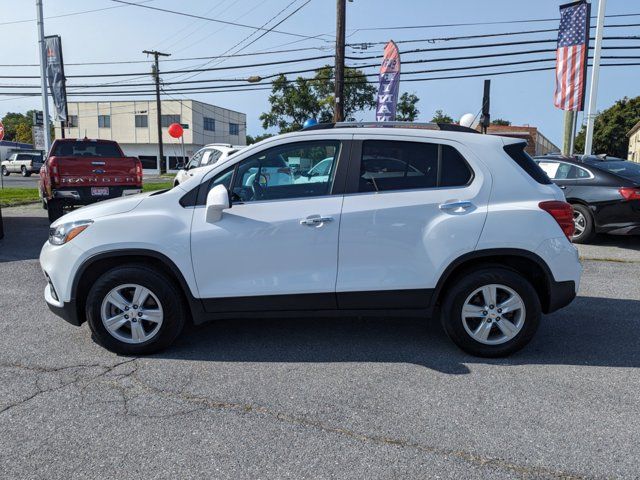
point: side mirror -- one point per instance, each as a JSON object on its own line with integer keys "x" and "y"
{"x": 217, "y": 201}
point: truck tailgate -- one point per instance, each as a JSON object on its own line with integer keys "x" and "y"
{"x": 93, "y": 171}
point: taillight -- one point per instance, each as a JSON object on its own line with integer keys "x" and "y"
{"x": 629, "y": 193}
{"x": 138, "y": 171}
{"x": 53, "y": 166}
{"x": 562, "y": 212}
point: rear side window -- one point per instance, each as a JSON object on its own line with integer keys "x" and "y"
{"x": 517, "y": 153}
{"x": 622, "y": 168}
{"x": 87, "y": 149}
{"x": 395, "y": 165}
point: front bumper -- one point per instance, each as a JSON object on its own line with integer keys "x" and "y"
{"x": 65, "y": 310}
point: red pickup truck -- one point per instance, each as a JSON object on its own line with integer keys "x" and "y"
{"x": 84, "y": 171}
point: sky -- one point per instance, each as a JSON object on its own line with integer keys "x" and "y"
{"x": 121, "y": 33}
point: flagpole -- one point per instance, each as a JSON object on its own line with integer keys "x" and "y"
{"x": 43, "y": 77}
{"x": 595, "y": 73}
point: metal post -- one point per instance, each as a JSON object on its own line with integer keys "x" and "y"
{"x": 43, "y": 77}
{"x": 567, "y": 138}
{"x": 184, "y": 162}
{"x": 572, "y": 147}
{"x": 595, "y": 73}
{"x": 338, "y": 109}
{"x": 156, "y": 76}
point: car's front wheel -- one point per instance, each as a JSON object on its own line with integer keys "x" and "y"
{"x": 491, "y": 312}
{"x": 135, "y": 310}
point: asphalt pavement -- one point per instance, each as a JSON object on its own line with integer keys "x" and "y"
{"x": 323, "y": 398}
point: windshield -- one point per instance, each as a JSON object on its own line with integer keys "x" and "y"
{"x": 87, "y": 149}
{"x": 623, "y": 168}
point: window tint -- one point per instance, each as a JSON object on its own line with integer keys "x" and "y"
{"x": 517, "y": 153}
{"x": 623, "y": 168}
{"x": 87, "y": 149}
{"x": 283, "y": 172}
{"x": 393, "y": 165}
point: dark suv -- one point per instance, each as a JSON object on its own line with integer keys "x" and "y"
{"x": 604, "y": 192}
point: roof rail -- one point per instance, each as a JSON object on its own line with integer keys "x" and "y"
{"x": 450, "y": 127}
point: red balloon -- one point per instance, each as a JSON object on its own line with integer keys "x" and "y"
{"x": 175, "y": 130}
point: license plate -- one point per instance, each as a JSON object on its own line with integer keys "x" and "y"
{"x": 99, "y": 191}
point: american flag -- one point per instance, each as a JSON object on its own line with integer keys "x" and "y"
{"x": 571, "y": 56}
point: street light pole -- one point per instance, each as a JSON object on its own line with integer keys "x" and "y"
{"x": 156, "y": 77}
{"x": 595, "y": 73}
{"x": 43, "y": 77}
{"x": 338, "y": 109}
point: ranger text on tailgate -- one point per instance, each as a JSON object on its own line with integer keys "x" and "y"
{"x": 84, "y": 171}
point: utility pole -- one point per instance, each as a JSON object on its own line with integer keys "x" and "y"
{"x": 338, "y": 109}
{"x": 155, "y": 71}
{"x": 43, "y": 77}
{"x": 595, "y": 73}
{"x": 567, "y": 137}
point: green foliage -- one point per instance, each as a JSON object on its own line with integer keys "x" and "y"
{"x": 441, "y": 117}
{"x": 258, "y": 138}
{"x": 500, "y": 121}
{"x": 294, "y": 102}
{"x": 407, "y": 110}
{"x": 611, "y": 128}
{"x": 18, "y": 127}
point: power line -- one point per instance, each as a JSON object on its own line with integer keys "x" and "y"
{"x": 200, "y": 17}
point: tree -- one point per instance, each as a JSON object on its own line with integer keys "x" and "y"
{"x": 18, "y": 126}
{"x": 441, "y": 117}
{"x": 500, "y": 121}
{"x": 258, "y": 138}
{"x": 293, "y": 102}
{"x": 611, "y": 128}
{"x": 407, "y": 110}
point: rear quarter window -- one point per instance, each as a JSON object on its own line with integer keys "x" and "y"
{"x": 525, "y": 162}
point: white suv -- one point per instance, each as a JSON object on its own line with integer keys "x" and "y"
{"x": 205, "y": 157}
{"x": 426, "y": 222}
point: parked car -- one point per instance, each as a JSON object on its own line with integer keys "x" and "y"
{"x": 604, "y": 192}
{"x": 471, "y": 230}
{"x": 23, "y": 163}
{"x": 83, "y": 171}
{"x": 207, "y": 156}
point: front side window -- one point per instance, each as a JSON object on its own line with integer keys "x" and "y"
{"x": 104, "y": 121}
{"x": 276, "y": 173}
{"x": 195, "y": 160}
{"x": 395, "y": 165}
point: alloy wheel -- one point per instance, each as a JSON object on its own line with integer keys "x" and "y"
{"x": 580, "y": 223}
{"x": 131, "y": 313}
{"x": 493, "y": 314}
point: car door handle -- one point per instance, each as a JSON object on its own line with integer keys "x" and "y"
{"x": 563, "y": 187}
{"x": 313, "y": 220}
{"x": 456, "y": 206}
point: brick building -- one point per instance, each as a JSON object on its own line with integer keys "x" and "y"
{"x": 537, "y": 143}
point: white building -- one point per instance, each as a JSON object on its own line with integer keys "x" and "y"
{"x": 133, "y": 125}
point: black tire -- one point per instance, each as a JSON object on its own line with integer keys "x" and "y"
{"x": 24, "y": 171}
{"x": 174, "y": 311}
{"x": 54, "y": 210}
{"x": 582, "y": 212}
{"x": 5, "y": 172}
{"x": 464, "y": 286}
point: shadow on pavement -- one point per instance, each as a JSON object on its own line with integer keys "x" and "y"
{"x": 630, "y": 242}
{"x": 23, "y": 237}
{"x": 592, "y": 332}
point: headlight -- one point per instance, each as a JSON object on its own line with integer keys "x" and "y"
{"x": 67, "y": 231}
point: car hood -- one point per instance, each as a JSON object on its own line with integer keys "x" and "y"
{"x": 104, "y": 208}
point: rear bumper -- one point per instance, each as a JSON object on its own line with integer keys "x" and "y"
{"x": 83, "y": 196}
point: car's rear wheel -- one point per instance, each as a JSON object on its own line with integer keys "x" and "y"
{"x": 583, "y": 221}
{"x": 135, "y": 310}
{"x": 24, "y": 171}
{"x": 5, "y": 172}
{"x": 54, "y": 210}
{"x": 491, "y": 312}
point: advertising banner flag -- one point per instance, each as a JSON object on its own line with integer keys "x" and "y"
{"x": 571, "y": 55}
{"x": 55, "y": 75}
{"x": 389, "y": 84}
